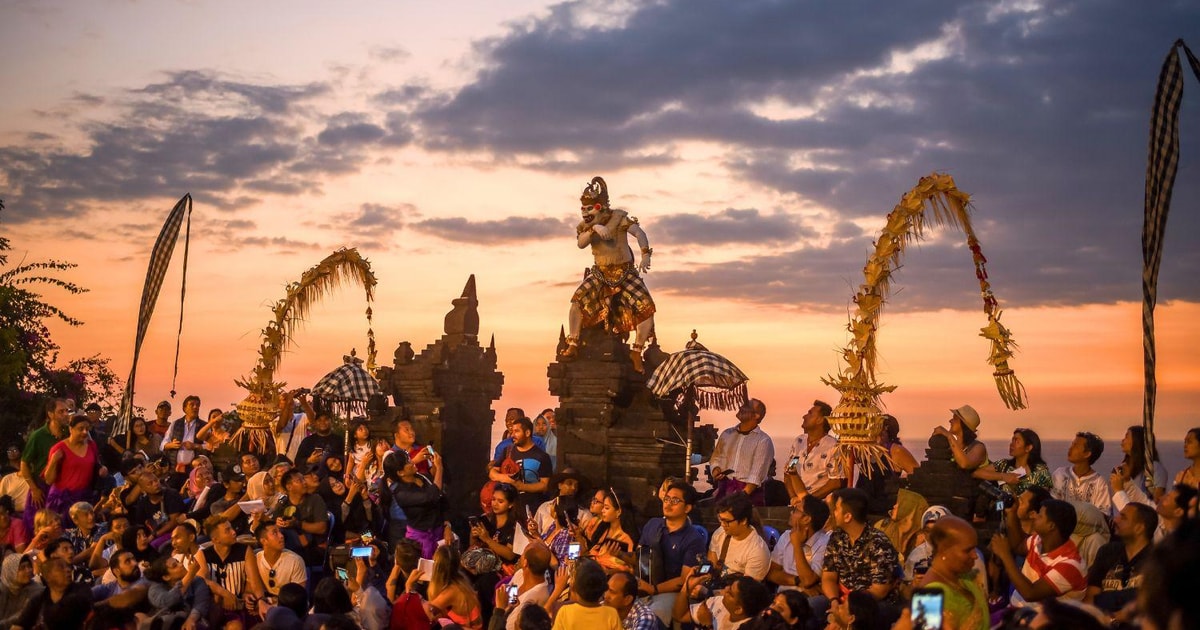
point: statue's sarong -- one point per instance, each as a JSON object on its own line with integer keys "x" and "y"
{"x": 615, "y": 296}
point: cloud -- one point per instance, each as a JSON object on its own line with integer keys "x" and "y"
{"x": 372, "y": 226}
{"x": 498, "y": 232}
{"x": 731, "y": 226}
{"x": 1038, "y": 109}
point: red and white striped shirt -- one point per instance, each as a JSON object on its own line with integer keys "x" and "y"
{"x": 1062, "y": 568}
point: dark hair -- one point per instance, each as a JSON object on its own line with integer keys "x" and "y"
{"x": 753, "y": 594}
{"x": 689, "y": 493}
{"x": 295, "y": 597}
{"x": 261, "y": 532}
{"x": 797, "y": 603}
{"x": 590, "y": 581}
{"x": 408, "y": 552}
{"x": 564, "y": 510}
{"x": 51, "y": 405}
{"x": 543, "y": 413}
{"x": 78, "y": 419}
{"x": 1137, "y": 454}
{"x": 129, "y": 541}
{"x": 520, "y": 411}
{"x": 854, "y": 501}
{"x": 1062, "y": 514}
{"x": 629, "y": 586}
{"x": 1093, "y": 444}
{"x": 191, "y": 398}
{"x": 331, "y": 598}
{"x": 533, "y": 618}
{"x": 969, "y": 435}
{"x": 865, "y": 609}
{"x": 1170, "y": 580}
{"x": 817, "y": 510}
{"x": 891, "y": 428}
{"x": 507, "y": 489}
{"x": 1035, "y": 454}
{"x": 55, "y": 544}
{"x": 287, "y": 476}
{"x": 157, "y": 571}
{"x": 6, "y": 503}
{"x": 622, "y": 502}
{"x": 92, "y": 407}
{"x": 826, "y": 409}
{"x": 1147, "y": 516}
{"x": 1039, "y": 498}
{"x": 525, "y": 423}
{"x": 1183, "y": 496}
{"x": 1063, "y": 616}
{"x": 340, "y": 622}
{"x": 738, "y": 505}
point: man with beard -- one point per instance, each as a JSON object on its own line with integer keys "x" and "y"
{"x": 531, "y": 463}
{"x": 324, "y": 441}
{"x": 128, "y": 590}
{"x": 223, "y": 566}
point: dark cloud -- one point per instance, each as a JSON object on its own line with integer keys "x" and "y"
{"x": 388, "y": 53}
{"x": 731, "y": 226}
{"x": 372, "y": 226}
{"x": 1039, "y": 110}
{"x": 499, "y": 232}
{"x": 350, "y": 128}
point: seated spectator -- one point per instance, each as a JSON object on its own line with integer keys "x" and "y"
{"x": 736, "y": 547}
{"x": 84, "y": 535}
{"x": 175, "y": 595}
{"x": 567, "y": 484}
{"x": 159, "y": 508}
{"x": 127, "y": 590}
{"x": 858, "y": 556}
{"x": 1079, "y": 481}
{"x": 1025, "y": 457}
{"x": 1128, "y": 480}
{"x": 586, "y": 611}
{"x": 622, "y": 596}
{"x": 15, "y": 488}
{"x": 814, "y": 465}
{"x": 742, "y": 455}
{"x": 1091, "y": 530}
{"x": 302, "y": 517}
{"x": 969, "y": 453}
{"x": 532, "y": 590}
{"x": 491, "y": 545}
{"x": 371, "y": 609}
{"x": 857, "y": 611}
{"x": 47, "y": 526}
{"x": 1170, "y": 581}
{"x": 1116, "y": 576}
{"x": 224, "y": 566}
{"x": 109, "y": 542}
{"x": 673, "y": 543}
{"x": 1189, "y": 476}
{"x": 1172, "y": 509}
{"x": 952, "y": 571}
{"x": 291, "y": 610}
{"x": 137, "y": 540}
{"x": 793, "y": 609}
{"x": 799, "y": 556}
{"x": 613, "y": 548}
{"x": 61, "y": 548}
{"x": 883, "y": 480}
{"x": 408, "y": 607}
{"x": 275, "y": 563}
{"x": 143, "y": 441}
{"x": 13, "y": 537}
{"x": 903, "y": 524}
{"x": 743, "y": 599}
{"x": 330, "y": 599}
{"x": 451, "y": 595}
{"x": 917, "y": 561}
{"x": 63, "y": 603}
{"x": 1052, "y": 566}
{"x": 17, "y": 587}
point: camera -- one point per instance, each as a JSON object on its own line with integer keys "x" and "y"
{"x": 1001, "y": 499}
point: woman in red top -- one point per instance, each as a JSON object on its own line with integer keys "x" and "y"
{"x": 71, "y": 469}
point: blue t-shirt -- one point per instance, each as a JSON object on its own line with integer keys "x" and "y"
{"x": 507, "y": 442}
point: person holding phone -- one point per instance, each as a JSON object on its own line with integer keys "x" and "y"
{"x": 951, "y": 573}
{"x": 528, "y": 587}
{"x": 323, "y": 441}
{"x": 422, "y": 500}
{"x": 814, "y": 465}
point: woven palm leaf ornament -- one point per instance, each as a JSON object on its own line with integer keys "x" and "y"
{"x": 857, "y": 419}
{"x": 260, "y": 407}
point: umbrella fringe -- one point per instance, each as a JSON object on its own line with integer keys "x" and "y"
{"x": 722, "y": 400}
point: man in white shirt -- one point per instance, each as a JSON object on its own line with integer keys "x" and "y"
{"x": 179, "y": 442}
{"x": 295, "y": 415}
{"x": 799, "y": 556}
{"x": 736, "y": 546}
{"x": 530, "y": 581}
{"x": 813, "y": 465}
{"x": 743, "y": 454}
{"x": 276, "y": 565}
{"x": 740, "y": 602}
{"x": 1079, "y": 481}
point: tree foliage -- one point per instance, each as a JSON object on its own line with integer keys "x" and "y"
{"x": 30, "y": 370}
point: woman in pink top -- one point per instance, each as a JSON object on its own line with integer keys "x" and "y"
{"x": 71, "y": 469}
{"x": 12, "y": 531}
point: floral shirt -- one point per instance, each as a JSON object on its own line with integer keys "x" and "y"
{"x": 1039, "y": 476}
{"x": 869, "y": 560}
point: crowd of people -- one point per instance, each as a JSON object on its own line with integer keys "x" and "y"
{"x": 167, "y": 526}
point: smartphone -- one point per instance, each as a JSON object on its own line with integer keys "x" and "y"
{"x": 927, "y": 608}
{"x": 429, "y": 450}
{"x": 512, "y": 593}
{"x": 472, "y": 521}
{"x": 573, "y": 551}
{"x": 704, "y": 569}
{"x": 341, "y": 574}
{"x": 793, "y": 462}
{"x": 360, "y": 552}
{"x": 367, "y": 536}
{"x": 1000, "y": 505}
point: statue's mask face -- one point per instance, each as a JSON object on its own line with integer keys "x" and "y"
{"x": 591, "y": 211}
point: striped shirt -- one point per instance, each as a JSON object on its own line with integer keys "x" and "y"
{"x": 748, "y": 454}
{"x": 1062, "y": 568}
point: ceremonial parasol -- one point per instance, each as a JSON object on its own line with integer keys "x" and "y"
{"x": 346, "y": 391}
{"x": 700, "y": 376}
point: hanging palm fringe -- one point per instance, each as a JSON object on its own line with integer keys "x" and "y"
{"x": 259, "y": 409}
{"x": 1161, "y": 166}
{"x": 857, "y": 419}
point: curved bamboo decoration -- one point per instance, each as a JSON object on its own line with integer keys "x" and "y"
{"x": 343, "y": 266}
{"x": 857, "y": 419}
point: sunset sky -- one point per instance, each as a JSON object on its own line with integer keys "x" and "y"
{"x": 759, "y": 143}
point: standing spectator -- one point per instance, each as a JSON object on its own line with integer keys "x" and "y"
{"x": 1025, "y": 456}
{"x": 423, "y": 503}
{"x": 510, "y": 417}
{"x": 323, "y": 441}
{"x": 545, "y": 427}
{"x": 524, "y": 465}
{"x": 814, "y": 467}
{"x": 295, "y": 415}
{"x": 162, "y": 419}
{"x": 743, "y": 454}
{"x": 37, "y": 452}
{"x": 1053, "y": 567}
{"x": 736, "y": 546}
{"x": 858, "y": 556}
{"x": 1079, "y": 481}
{"x": 1190, "y": 476}
{"x": 361, "y": 444}
{"x": 1130, "y": 476}
{"x": 215, "y": 439}
{"x": 799, "y": 556}
{"x": 1116, "y": 576}
{"x": 179, "y": 443}
{"x": 677, "y": 542}
{"x": 71, "y": 468}
{"x": 622, "y": 596}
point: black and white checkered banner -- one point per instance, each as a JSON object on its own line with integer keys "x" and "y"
{"x": 1160, "y": 180}
{"x": 160, "y": 259}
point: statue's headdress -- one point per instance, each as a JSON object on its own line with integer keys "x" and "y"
{"x": 595, "y": 192}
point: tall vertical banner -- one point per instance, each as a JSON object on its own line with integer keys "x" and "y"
{"x": 1161, "y": 167}
{"x": 160, "y": 259}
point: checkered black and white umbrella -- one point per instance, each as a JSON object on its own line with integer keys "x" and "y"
{"x": 348, "y": 387}
{"x": 710, "y": 379}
